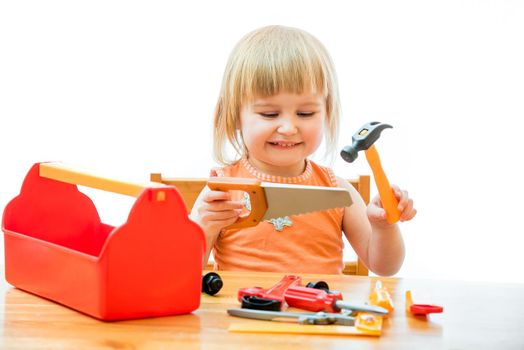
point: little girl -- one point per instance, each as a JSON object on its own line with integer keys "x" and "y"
{"x": 278, "y": 101}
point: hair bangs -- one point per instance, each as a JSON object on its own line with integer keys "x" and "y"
{"x": 290, "y": 68}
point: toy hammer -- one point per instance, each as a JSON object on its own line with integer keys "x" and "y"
{"x": 364, "y": 139}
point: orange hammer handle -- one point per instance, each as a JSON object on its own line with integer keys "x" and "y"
{"x": 387, "y": 196}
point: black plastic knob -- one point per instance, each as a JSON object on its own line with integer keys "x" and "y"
{"x": 211, "y": 283}
{"x": 319, "y": 285}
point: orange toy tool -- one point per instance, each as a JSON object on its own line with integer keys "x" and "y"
{"x": 364, "y": 139}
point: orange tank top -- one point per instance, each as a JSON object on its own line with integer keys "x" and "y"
{"x": 307, "y": 243}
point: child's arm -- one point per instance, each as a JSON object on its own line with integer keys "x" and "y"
{"x": 377, "y": 243}
{"x": 214, "y": 210}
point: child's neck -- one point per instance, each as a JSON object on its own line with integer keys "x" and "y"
{"x": 276, "y": 170}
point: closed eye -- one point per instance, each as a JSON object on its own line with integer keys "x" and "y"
{"x": 269, "y": 115}
{"x": 306, "y": 114}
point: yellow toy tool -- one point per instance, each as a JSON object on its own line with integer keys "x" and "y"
{"x": 381, "y": 297}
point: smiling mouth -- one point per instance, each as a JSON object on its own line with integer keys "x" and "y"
{"x": 285, "y": 144}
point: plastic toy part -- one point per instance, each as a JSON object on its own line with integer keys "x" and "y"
{"x": 57, "y": 247}
{"x": 211, "y": 283}
{"x": 381, "y": 297}
{"x": 424, "y": 309}
{"x": 421, "y": 309}
{"x": 267, "y": 299}
{"x": 369, "y": 324}
{"x": 257, "y": 303}
{"x": 319, "y": 285}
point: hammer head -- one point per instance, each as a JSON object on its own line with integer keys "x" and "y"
{"x": 364, "y": 138}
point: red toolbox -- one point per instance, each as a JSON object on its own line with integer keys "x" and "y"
{"x": 57, "y": 247}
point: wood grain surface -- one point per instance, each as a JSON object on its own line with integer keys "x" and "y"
{"x": 476, "y": 315}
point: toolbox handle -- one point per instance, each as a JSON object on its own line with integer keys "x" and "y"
{"x": 68, "y": 174}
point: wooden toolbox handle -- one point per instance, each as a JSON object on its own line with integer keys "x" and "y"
{"x": 64, "y": 173}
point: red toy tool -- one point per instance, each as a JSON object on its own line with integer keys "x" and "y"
{"x": 319, "y": 300}
{"x": 271, "y": 299}
{"x": 421, "y": 309}
{"x": 289, "y": 292}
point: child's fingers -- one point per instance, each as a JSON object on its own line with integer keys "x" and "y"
{"x": 222, "y": 215}
{"x": 395, "y": 189}
{"x": 217, "y": 196}
{"x": 376, "y": 213}
{"x": 402, "y": 197}
{"x": 218, "y": 200}
{"x": 222, "y": 205}
{"x": 399, "y": 193}
{"x": 403, "y": 200}
{"x": 227, "y": 222}
{"x": 376, "y": 201}
{"x": 218, "y": 225}
{"x": 409, "y": 212}
{"x": 218, "y": 219}
{"x": 409, "y": 216}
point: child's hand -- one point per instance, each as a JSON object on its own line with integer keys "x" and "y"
{"x": 377, "y": 214}
{"x": 217, "y": 211}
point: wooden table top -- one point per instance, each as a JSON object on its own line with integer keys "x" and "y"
{"x": 476, "y": 315}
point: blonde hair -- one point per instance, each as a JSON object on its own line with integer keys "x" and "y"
{"x": 265, "y": 62}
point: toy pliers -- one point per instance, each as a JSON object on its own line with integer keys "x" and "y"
{"x": 311, "y": 318}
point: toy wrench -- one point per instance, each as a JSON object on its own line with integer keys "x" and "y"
{"x": 273, "y": 200}
{"x": 319, "y": 318}
{"x": 271, "y": 299}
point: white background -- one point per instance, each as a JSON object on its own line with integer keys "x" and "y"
{"x": 128, "y": 88}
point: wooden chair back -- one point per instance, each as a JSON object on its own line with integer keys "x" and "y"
{"x": 190, "y": 188}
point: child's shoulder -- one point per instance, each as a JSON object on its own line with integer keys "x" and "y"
{"x": 325, "y": 173}
{"x": 231, "y": 170}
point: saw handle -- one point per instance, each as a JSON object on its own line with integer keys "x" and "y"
{"x": 256, "y": 193}
{"x": 387, "y": 196}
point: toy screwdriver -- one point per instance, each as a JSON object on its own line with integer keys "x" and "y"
{"x": 312, "y": 299}
{"x": 319, "y": 300}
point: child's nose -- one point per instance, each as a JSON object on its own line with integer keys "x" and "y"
{"x": 287, "y": 126}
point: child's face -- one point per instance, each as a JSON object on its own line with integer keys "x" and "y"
{"x": 280, "y": 131}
